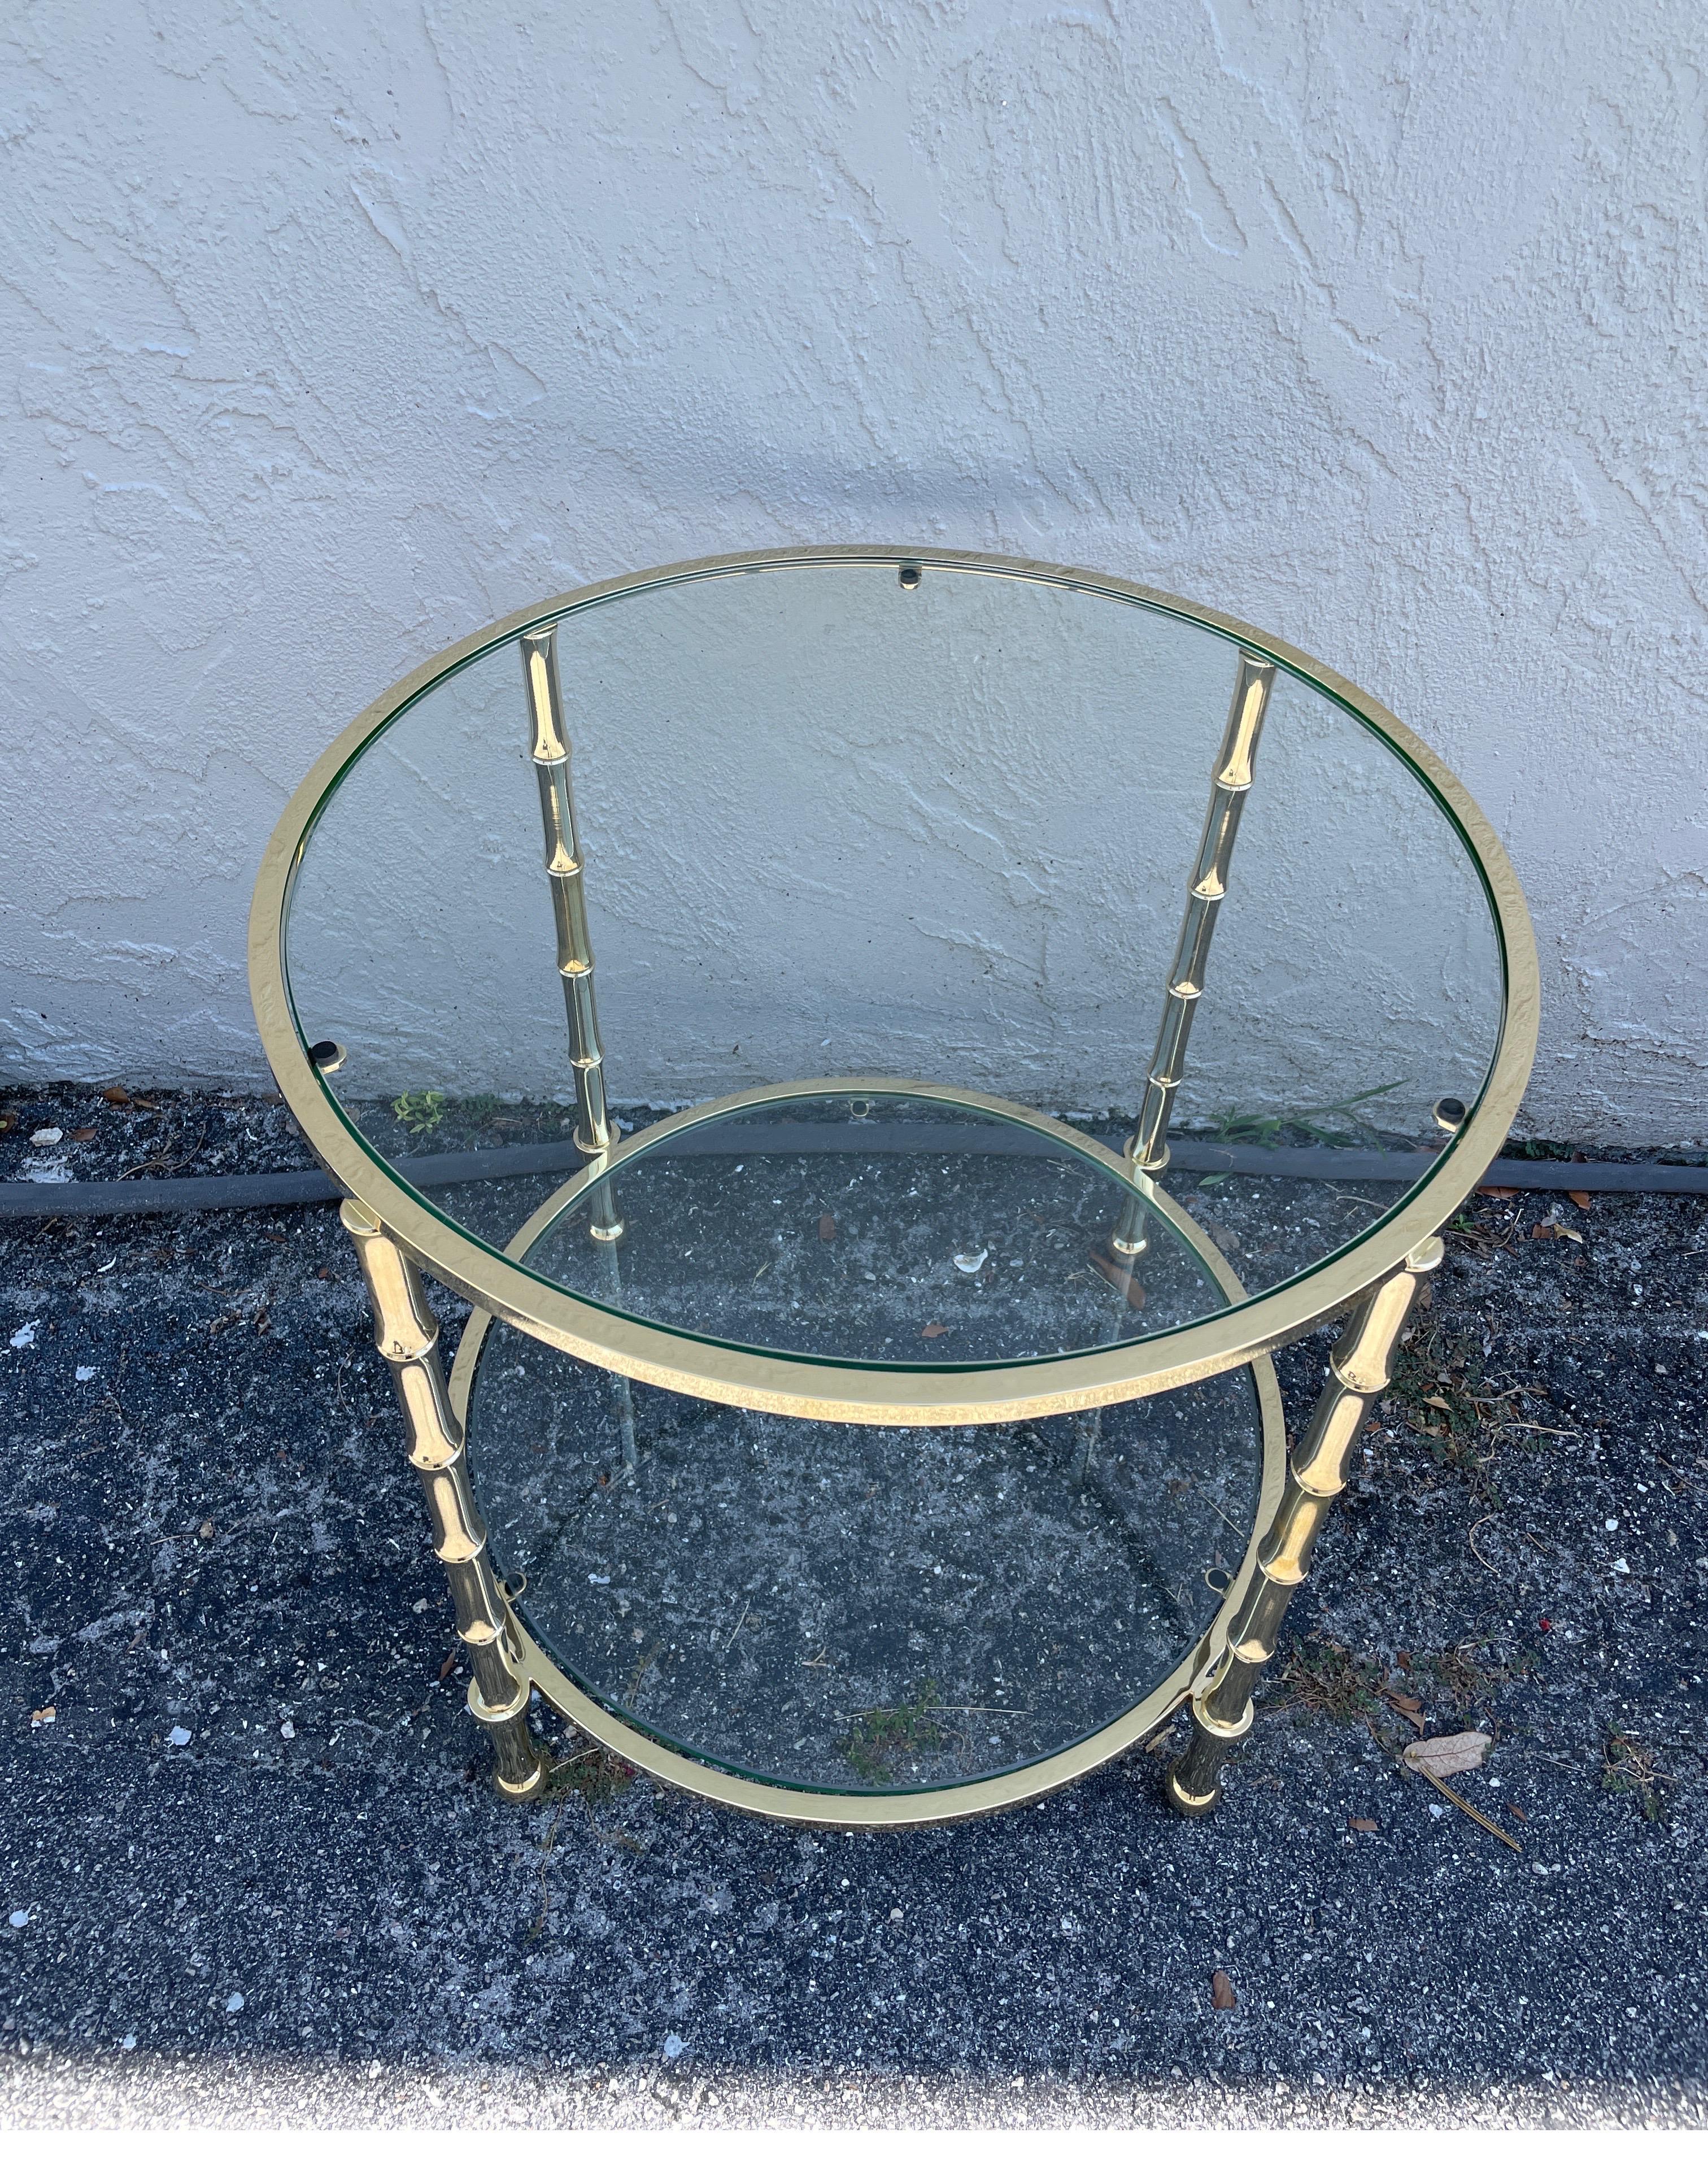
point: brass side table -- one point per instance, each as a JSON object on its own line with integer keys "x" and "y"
{"x": 861, "y": 1450}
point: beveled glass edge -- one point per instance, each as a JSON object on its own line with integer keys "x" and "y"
{"x": 1176, "y": 1355}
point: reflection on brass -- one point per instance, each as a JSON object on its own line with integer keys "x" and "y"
{"x": 1359, "y": 1369}
{"x": 1229, "y": 784}
{"x": 550, "y": 747}
{"x": 604, "y": 1223}
{"x": 406, "y": 1333}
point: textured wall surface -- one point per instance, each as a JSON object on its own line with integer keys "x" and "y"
{"x": 331, "y": 332}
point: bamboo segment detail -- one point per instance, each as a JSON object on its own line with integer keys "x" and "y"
{"x": 1231, "y": 783}
{"x": 549, "y": 748}
{"x": 406, "y": 1333}
{"x": 1358, "y": 1370}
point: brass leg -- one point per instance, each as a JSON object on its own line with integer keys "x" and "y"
{"x": 1229, "y": 784}
{"x": 548, "y": 745}
{"x": 406, "y": 1333}
{"x": 1363, "y": 1361}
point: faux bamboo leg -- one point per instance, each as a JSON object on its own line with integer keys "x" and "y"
{"x": 1363, "y": 1361}
{"x": 406, "y": 1333}
{"x": 1230, "y": 782}
{"x": 548, "y": 745}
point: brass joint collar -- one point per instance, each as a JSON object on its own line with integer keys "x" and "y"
{"x": 499, "y": 1715}
{"x": 1206, "y": 1722}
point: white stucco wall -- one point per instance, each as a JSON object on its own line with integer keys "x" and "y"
{"x": 332, "y": 331}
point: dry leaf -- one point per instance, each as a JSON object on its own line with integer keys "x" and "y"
{"x": 1517, "y": 1814}
{"x": 1222, "y": 1990}
{"x": 827, "y": 1228}
{"x": 116, "y": 1096}
{"x": 1434, "y": 1401}
{"x": 1542, "y": 1233}
{"x": 1404, "y": 1704}
{"x": 1361, "y": 1825}
{"x": 1491, "y": 1189}
{"x": 1448, "y": 1754}
{"x": 45, "y": 1717}
{"x": 1580, "y": 1198}
{"x": 83, "y": 1135}
{"x": 934, "y": 1331}
{"x": 1119, "y": 1277}
{"x": 448, "y": 1666}
{"x": 1567, "y": 1235}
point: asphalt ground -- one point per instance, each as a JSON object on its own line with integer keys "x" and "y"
{"x": 255, "y": 1875}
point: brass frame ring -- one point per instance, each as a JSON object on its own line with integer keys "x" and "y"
{"x": 948, "y": 1394}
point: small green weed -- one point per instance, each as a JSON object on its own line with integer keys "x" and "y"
{"x": 596, "y": 1776}
{"x": 1466, "y": 1679}
{"x": 1326, "y": 1677}
{"x": 420, "y": 1111}
{"x": 881, "y": 1736}
{"x": 1439, "y": 1392}
{"x": 1628, "y": 1768}
{"x": 592, "y": 1773}
{"x": 1269, "y": 1130}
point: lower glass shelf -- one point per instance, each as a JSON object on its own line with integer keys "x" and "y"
{"x": 855, "y": 1610}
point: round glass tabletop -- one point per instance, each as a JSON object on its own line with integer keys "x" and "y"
{"x": 891, "y": 823}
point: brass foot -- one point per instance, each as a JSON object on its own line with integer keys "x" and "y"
{"x": 1181, "y": 1799}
